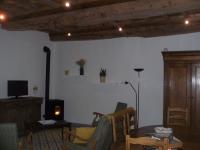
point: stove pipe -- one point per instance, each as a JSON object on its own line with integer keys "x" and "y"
{"x": 47, "y": 81}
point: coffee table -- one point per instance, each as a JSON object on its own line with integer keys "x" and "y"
{"x": 36, "y": 127}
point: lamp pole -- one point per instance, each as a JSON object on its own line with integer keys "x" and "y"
{"x": 136, "y": 102}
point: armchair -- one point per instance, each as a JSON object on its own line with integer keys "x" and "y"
{"x": 8, "y": 137}
{"x": 123, "y": 122}
{"x": 120, "y": 106}
{"x": 100, "y": 140}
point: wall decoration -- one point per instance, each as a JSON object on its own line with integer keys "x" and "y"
{"x": 66, "y": 72}
{"x": 81, "y": 64}
{"x": 35, "y": 89}
{"x": 102, "y": 75}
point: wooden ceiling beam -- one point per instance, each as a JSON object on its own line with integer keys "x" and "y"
{"x": 81, "y": 6}
{"x": 134, "y": 10}
{"x": 134, "y": 33}
{"x": 100, "y": 18}
{"x": 126, "y": 24}
{"x": 120, "y": 12}
{"x": 133, "y": 23}
{"x": 131, "y": 8}
{"x": 143, "y": 31}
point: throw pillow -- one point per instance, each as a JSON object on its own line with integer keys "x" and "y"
{"x": 84, "y": 133}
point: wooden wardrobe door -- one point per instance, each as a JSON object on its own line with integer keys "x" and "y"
{"x": 177, "y": 86}
{"x": 195, "y": 114}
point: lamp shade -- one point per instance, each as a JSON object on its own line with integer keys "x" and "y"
{"x": 139, "y": 69}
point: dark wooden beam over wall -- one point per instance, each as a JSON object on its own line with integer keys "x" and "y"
{"x": 100, "y": 19}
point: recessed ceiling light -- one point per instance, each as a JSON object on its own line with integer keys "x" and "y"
{"x": 120, "y": 29}
{"x": 69, "y": 34}
{"x": 187, "y": 22}
{"x": 2, "y": 17}
{"x": 67, "y": 4}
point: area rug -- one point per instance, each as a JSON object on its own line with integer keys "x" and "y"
{"x": 50, "y": 139}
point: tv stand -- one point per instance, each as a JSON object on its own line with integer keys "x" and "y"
{"x": 23, "y": 111}
{"x": 17, "y": 97}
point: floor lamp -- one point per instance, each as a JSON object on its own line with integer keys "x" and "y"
{"x": 136, "y": 101}
{"x": 137, "y": 95}
{"x": 138, "y": 70}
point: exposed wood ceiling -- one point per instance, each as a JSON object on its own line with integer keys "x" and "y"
{"x": 100, "y": 19}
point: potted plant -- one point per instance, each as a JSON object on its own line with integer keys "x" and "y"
{"x": 102, "y": 75}
{"x": 81, "y": 63}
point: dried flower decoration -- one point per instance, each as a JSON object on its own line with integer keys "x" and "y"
{"x": 81, "y": 62}
{"x": 102, "y": 72}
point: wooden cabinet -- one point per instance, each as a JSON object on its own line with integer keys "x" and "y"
{"x": 182, "y": 88}
{"x": 23, "y": 111}
{"x": 195, "y": 98}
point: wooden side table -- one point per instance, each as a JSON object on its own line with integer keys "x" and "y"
{"x": 147, "y": 130}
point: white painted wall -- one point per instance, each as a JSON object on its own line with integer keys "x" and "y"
{"x": 83, "y": 95}
{"x": 22, "y": 58}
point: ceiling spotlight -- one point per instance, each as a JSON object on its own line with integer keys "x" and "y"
{"x": 69, "y": 34}
{"x": 120, "y": 29}
{"x": 187, "y": 22}
{"x": 67, "y": 4}
{"x": 2, "y": 17}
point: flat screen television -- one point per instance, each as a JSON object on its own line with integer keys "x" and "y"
{"x": 17, "y": 88}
